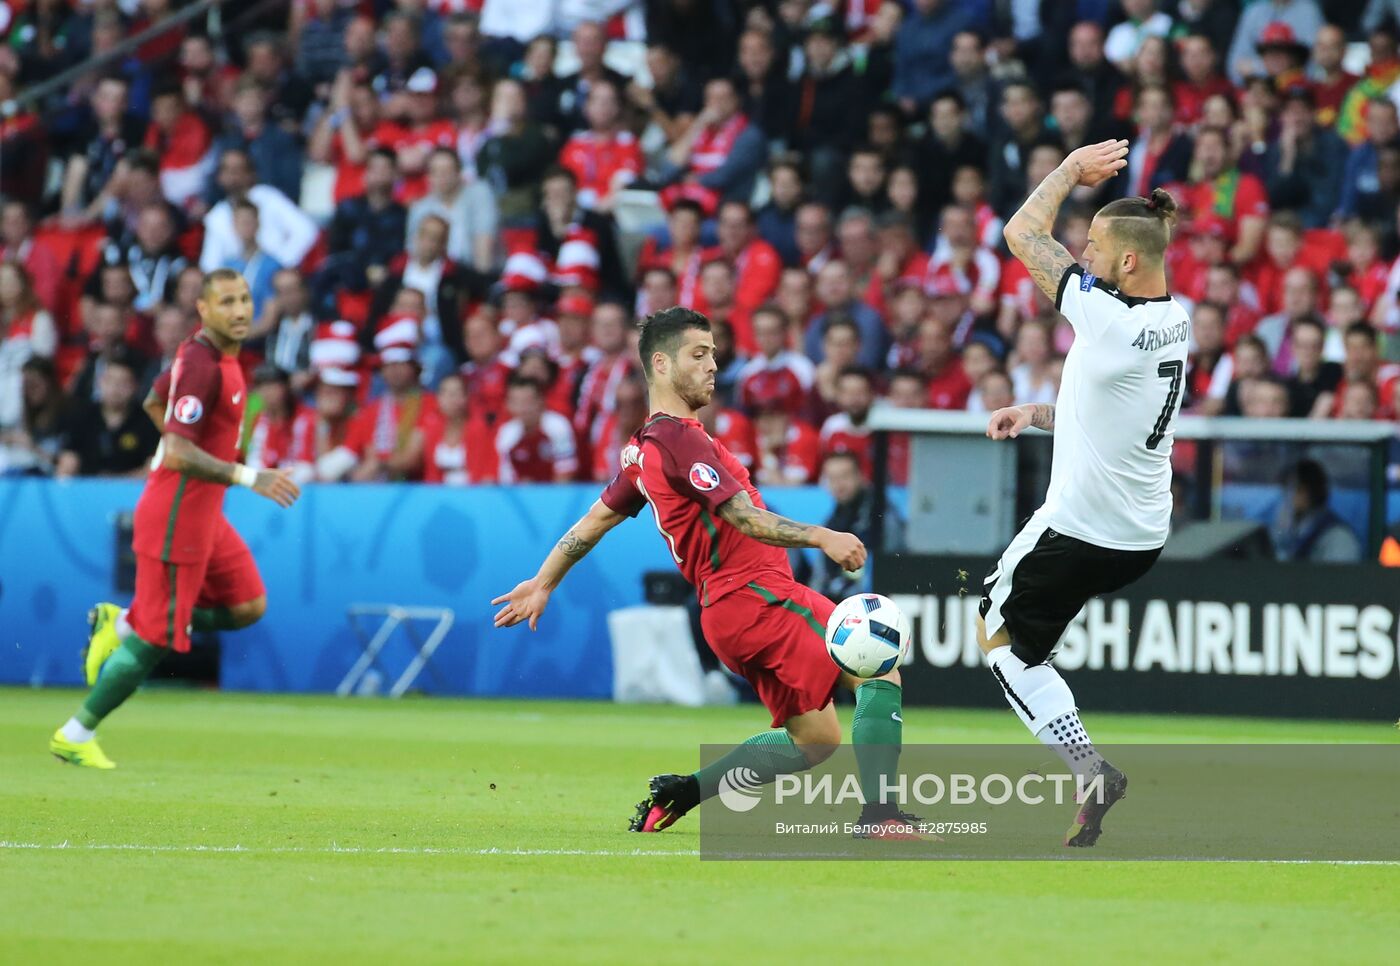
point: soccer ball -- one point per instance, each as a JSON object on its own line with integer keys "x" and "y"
{"x": 867, "y": 635}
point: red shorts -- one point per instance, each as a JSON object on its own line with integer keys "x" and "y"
{"x": 774, "y": 636}
{"x": 168, "y": 593}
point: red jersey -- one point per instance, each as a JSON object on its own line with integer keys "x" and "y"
{"x": 1191, "y": 98}
{"x": 1232, "y": 196}
{"x": 686, "y": 476}
{"x": 897, "y": 458}
{"x": 1017, "y": 288}
{"x": 177, "y": 515}
{"x": 840, "y": 435}
{"x": 466, "y": 456}
{"x": 385, "y": 424}
{"x": 486, "y": 387}
{"x": 1370, "y": 282}
{"x": 349, "y": 176}
{"x": 270, "y": 441}
{"x": 800, "y": 457}
{"x": 756, "y": 273}
{"x": 545, "y": 454}
{"x": 434, "y": 134}
{"x": 597, "y": 159}
{"x": 949, "y": 388}
{"x": 786, "y": 378}
{"x": 313, "y": 437}
{"x": 597, "y": 392}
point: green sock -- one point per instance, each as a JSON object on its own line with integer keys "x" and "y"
{"x": 213, "y": 619}
{"x": 877, "y": 732}
{"x": 123, "y": 673}
{"x": 769, "y": 754}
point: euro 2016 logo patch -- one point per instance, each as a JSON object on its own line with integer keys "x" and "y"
{"x": 703, "y": 476}
{"x": 189, "y": 410}
{"x": 1086, "y": 281}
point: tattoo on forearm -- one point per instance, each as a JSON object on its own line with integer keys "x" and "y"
{"x": 192, "y": 460}
{"x": 1028, "y": 232}
{"x": 575, "y": 547}
{"x": 764, "y": 525}
{"x": 1043, "y": 416}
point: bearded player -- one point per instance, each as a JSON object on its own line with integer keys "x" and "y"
{"x": 191, "y": 566}
{"x": 759, "y": 621}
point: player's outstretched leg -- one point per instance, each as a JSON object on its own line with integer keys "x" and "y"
{"x": 123, "y": 673}
{"x": 1045, "y": 704}
{"x": 804, "y": 740}
{"x": 877, "y": 734}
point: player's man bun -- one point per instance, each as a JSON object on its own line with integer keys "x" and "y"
{"x": 1162, "y": 204}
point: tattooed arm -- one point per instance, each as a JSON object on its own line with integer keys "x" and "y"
{"x": 1013, "y": 419}
{"x": 1028, "y": 232}
{"x": 527, "y": 601}
{"x": 768, "y": 527}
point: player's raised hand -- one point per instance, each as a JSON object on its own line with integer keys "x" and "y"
{"x": 277, "y": 486}
{"x": 1008, "y": 422}
{"x": 845, "y": 549}
{"x": 525, "y": 603}
{"x": 1096, "y": 163}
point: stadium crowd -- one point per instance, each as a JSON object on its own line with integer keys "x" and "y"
{"x": 451, "y": 213}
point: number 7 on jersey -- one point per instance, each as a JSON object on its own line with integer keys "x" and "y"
{"x": 1168, "y": 370}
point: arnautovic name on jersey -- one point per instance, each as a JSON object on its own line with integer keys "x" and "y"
{"x": 1150, "y": 340}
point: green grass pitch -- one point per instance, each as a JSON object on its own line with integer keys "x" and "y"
{"x": 493, "y": 831}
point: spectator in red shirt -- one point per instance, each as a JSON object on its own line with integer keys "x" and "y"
{"x": 1283, "y": 250}
{"x": 485, "y": 372}
{"x": 535, "y": 445}
{"x": 616, "y": 427}
{"x": 609, "y": 368}
{"x": 908, "y": 390}
{"x": 421, "y": 131}
{"x": 948, "y": 386}
{"x": 181, "y": 139}
{"x": 604, "y": 158}
{"x": 1201, "y": 78}
{"x": 846, "y": 431}
{"x": 1365, "y": 270}
{"x": 1330, "y": 83}
{"x": 899, "y": 259}
{"x": 757, "y": 266}
{"x": 272, "y": 412}
{"x": 1208, "y": 367}
{"x": 457, "y": 449}
{"x": 789, "y": 450}
{"x": 721, "y": 152}
{"x": 1362, "y": 364}
{"x": 17, "y": 244}
{"x": 776, "y": 373}
{"x": 685, "y": 254}
{"x": 1223, "y": 189}
{"x": 386, "y": 434}
{"x": 349, "y": 133}
{"x": 1225, "y": 287}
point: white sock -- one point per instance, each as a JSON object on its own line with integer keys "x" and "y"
{"x": 1071, "y": 742}
{"x": 123, "y": 625}
{"x": 74, "y": 731}
{"x": 1045, "y": 704}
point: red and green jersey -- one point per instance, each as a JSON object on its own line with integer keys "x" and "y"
{"x": 686, "y": 476}
{"x": 204, "y": 401}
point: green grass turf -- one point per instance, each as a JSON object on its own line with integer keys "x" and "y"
{"x": 290, "y": 779}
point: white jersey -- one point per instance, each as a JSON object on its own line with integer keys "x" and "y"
{"x": 1110, "y": 479}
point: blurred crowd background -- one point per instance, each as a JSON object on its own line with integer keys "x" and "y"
{"x": 452, "y": 213}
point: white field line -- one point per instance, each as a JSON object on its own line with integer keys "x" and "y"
{"x": 605, "y": 853}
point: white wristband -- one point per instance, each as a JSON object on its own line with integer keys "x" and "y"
{"x": 244, "y": 475}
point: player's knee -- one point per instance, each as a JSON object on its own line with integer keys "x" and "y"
{"x": 249, "y": 612}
